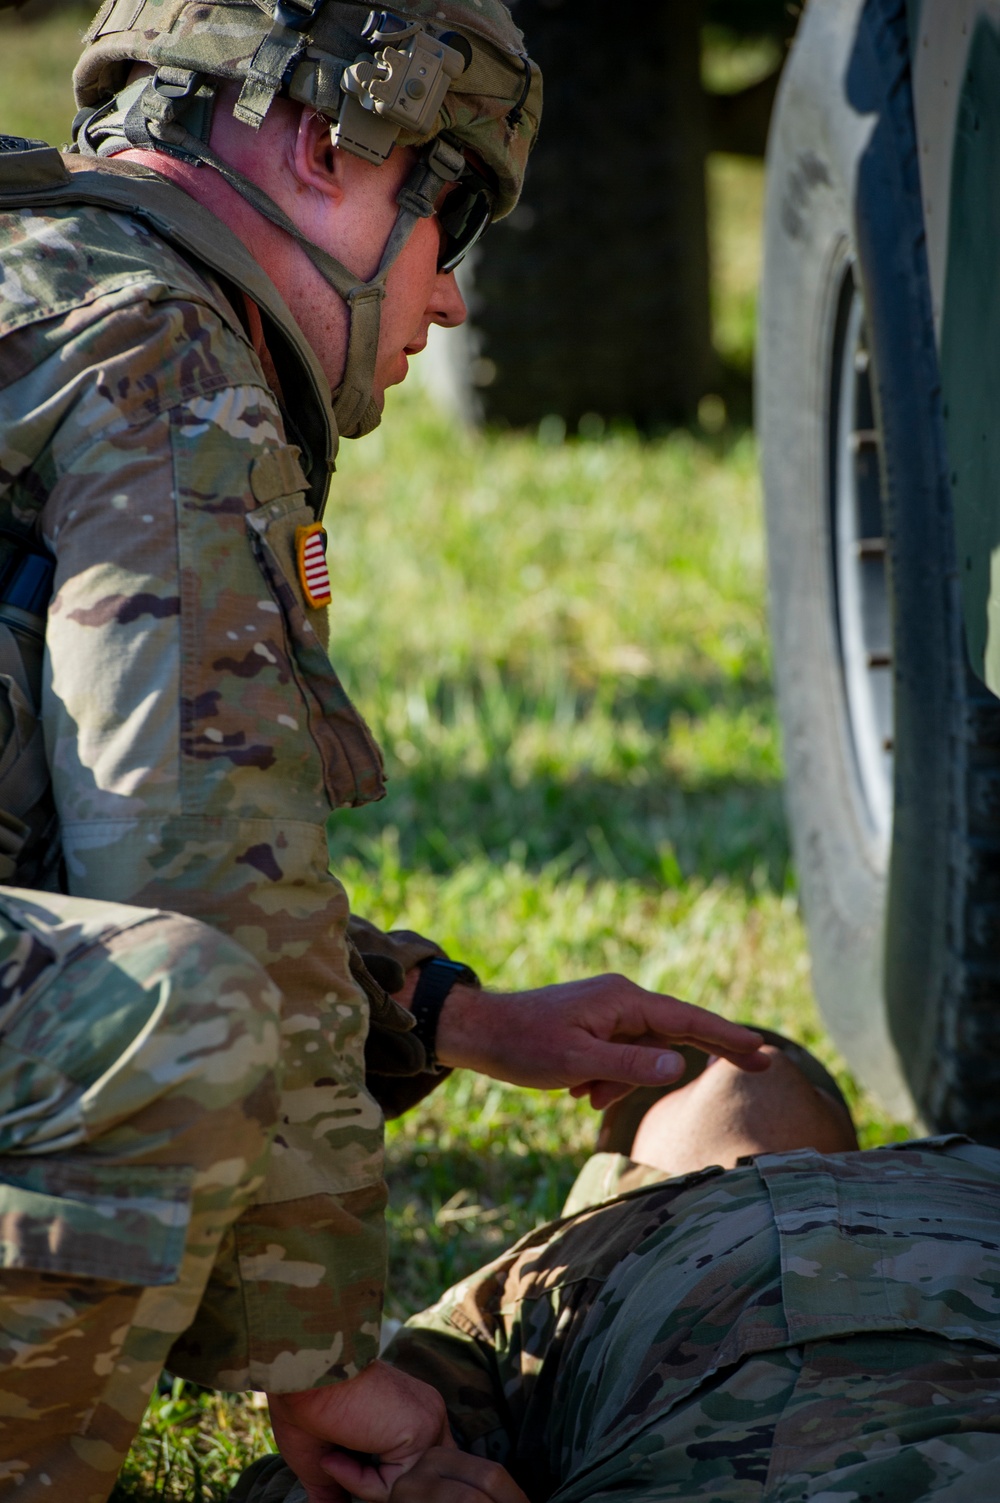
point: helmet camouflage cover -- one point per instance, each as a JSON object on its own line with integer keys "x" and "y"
{"x": 301, "y": 49}
{"x": 444, "y": 76}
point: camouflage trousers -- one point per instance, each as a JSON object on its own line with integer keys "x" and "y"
{"x": 138, "y": 1053}
{"x": 804, "y": 1328}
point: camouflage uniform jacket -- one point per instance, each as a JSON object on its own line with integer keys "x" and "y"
{"x": 196, "y": 734}
{"x": 803, "y": 1327}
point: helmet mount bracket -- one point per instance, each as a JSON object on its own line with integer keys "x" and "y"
{"x": 401, "y": 88}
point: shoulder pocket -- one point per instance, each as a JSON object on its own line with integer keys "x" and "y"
{"x": 352, "y": 762}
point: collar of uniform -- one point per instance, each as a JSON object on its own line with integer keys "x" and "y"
{"x": 184, "y": 223}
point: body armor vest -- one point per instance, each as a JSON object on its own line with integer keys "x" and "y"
{"x": 36, "y": 176}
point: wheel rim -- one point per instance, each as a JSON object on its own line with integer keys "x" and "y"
{"x": 860, "y": 566}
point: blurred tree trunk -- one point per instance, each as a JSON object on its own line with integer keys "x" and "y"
{"x": 739, "y": 123}
{"x": 593, "y": 297}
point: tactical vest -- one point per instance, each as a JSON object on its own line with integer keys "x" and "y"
{"x": 35, "y": 175}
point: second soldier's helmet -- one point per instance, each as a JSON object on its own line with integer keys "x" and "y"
{"x": 451, "y": 77}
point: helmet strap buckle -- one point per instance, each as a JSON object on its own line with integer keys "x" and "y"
{"x": 169, "y": 93}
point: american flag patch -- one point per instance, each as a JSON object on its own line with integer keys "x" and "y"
{"x": 310, "y": 550}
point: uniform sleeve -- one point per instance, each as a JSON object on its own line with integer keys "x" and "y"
{"x": 492, "y": 1347}
{"x": 458, "y": 1347}
{"x": 198, "y": 738}
{"x": 396, "y": 1071}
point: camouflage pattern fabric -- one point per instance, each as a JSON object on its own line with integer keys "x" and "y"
{"x": 493, "y": 108}
{"x": 197, "y": 736}
{"x": 137, "y": 1076}
{"x": 803, "y": 1327}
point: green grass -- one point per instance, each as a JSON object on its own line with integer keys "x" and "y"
{"x": 193, "y": 1446}
{"x": 36, "y": 64}
{"x": 730, "y": 63}
{"x": 563, "y": 649}
{"x": 735, "y": 200}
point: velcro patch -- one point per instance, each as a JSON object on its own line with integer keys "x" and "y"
{"x": 310, "y": 554}
{"x": 277, "y": 472}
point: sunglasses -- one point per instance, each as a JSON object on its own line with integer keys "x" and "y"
{"x": 464, "y": 217}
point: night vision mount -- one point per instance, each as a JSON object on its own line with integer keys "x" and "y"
{"x": 400, "y": 87}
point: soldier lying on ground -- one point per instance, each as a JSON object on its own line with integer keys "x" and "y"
{"x": 259, "y": 222}
{"x": 814, "y": 1323}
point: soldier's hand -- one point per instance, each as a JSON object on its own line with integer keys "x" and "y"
{"x": 386, "y": 1418}
{"x": 598, "y": 1037}
{"x": 445, "y": 1475}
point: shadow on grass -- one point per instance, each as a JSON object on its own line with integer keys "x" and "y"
{"x": 456, "y": 798}
{"x": 584, "y": 826}
{"x": 655, "y": 702}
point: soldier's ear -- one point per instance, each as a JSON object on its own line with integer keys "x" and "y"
{"x": 318, "y": 163}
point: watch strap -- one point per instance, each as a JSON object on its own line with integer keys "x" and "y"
{"x": 437, "y": 977}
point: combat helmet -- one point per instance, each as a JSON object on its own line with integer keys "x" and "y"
{"x": 450, "y": 77}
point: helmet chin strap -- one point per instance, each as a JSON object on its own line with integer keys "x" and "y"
{"x": 355, "y": 409}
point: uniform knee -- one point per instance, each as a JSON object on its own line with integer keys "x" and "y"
{"x": 153, "y": 1039}
{"x": 213, "y": 996}
{"x": 209, "y": 1040}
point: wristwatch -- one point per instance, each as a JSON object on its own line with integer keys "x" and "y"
{"x": 437, "y": 977}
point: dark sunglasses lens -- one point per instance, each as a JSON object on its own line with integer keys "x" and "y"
{"x": 465, "y": 217}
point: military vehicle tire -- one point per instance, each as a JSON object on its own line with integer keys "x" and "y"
{"x": 892, "y": 747}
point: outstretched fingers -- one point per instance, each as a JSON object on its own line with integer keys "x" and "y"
{"x": 679, "y": 1022}
{"x": 648, "y": 1063}
{"x": 640, "y": 1048}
